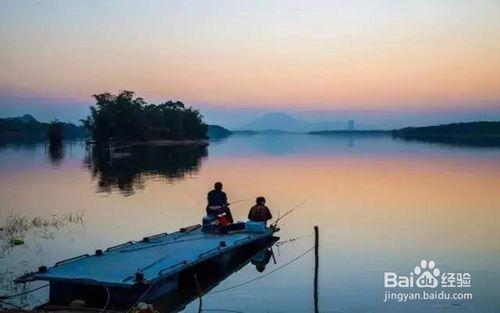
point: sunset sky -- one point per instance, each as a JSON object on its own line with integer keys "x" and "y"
{"x": 249, "y": 57}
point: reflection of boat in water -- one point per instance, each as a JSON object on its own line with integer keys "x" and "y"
{"x": 160, "y": 269}
{"x": 209, "y": 275}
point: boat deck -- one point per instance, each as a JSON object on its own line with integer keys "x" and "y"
{"x": 155, "y": 257}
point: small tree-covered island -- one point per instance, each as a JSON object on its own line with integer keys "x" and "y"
{"x": 127, "y": 119}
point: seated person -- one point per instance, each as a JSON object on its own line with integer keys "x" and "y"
{"x": 260, "y": 212}
{"x": 217, "y": 202}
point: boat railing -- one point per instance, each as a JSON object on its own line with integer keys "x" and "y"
{"x": 242, "y": 239}
{"x": 160, "y": 272}
{"x": 207, "y": 252}
{"x": 189, "y": 228}
{"x": 120, "y": 245}
{"x": 72, "y": 259}
{"x": 155, "y": 236}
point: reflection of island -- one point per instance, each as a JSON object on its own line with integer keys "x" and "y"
{"x": 127, "y": 169}
{"x": 486, "y": 134}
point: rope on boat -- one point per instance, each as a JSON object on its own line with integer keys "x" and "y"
{"x": 141, "y": 297}
{"x": 264, "y": 275}
{"x": 108, "y": 295}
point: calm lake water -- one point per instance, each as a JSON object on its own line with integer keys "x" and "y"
{"x": 382, "y": 205}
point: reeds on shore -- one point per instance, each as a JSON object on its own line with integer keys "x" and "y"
{"x": 15, "y": 228}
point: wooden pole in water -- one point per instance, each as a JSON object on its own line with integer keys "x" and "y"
{"x": 316, "y": 267}
{"x": 198, "y": 289}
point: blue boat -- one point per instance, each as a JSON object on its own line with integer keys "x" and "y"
{"x": 148, "y": 268}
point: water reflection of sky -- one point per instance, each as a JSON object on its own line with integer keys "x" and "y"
{"x": 382, "y": 205}
{"x": 300, "y": 145}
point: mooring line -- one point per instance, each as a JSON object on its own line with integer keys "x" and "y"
{"x": 262, "y": 276}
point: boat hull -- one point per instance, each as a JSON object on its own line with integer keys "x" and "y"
{"x": 165, "y": 289}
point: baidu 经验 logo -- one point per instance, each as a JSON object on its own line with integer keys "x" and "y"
{"x": 428, "y": 274}
{"x": 426, "y": 277}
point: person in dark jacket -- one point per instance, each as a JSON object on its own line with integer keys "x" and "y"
{"x": 217, "y": 202}
{"x": 217, "y": 197}
{"x": 260, "y": 212}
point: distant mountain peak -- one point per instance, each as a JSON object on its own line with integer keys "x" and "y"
{"x": 280, "y": 121}
{"x": 277, "y": 121}
{"x": 25, "y": 119}
{"x": 277, "y": 115}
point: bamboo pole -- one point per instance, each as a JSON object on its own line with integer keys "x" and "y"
{"x": 316, "y": 267}
{"x": 198, "y": 289}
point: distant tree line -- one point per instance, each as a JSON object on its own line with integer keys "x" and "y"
{"x": 218, "y": 132}
{"x": 55, "y": 132}
{"x": 125, "y": 118}
{"x": 471, "y": 129}
{"x": 482, "y": 133}
{"x": 27, "y": 126}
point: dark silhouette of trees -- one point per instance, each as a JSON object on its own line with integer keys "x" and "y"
{"x": 123, "y": 118}
{"x": 483, "y": 133}
{"x": 55, "y": 132}
{"x": 218, "y": 132}
{"x": 27, "y": 127}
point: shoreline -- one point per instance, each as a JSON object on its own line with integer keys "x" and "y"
{"x": 169, "y": 142}
{"x": 159, "y": 143}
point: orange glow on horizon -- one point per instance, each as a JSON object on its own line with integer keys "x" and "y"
{"x": 330, "y": 55}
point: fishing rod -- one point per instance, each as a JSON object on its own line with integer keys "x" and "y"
{"x": 238, "y": 201}
{"x": 275, "y": 223}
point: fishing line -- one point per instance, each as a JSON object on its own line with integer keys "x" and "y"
{"x": 262, "y": 276}
{"x": 280, "y": 243}
{"x": 238, "y": 201}
{"x": 275, "y": 223}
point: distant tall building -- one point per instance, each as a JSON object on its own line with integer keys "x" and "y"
{"x": 350, "y": 125}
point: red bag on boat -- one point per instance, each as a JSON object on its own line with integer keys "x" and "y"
{"x": 224, "y": 220}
